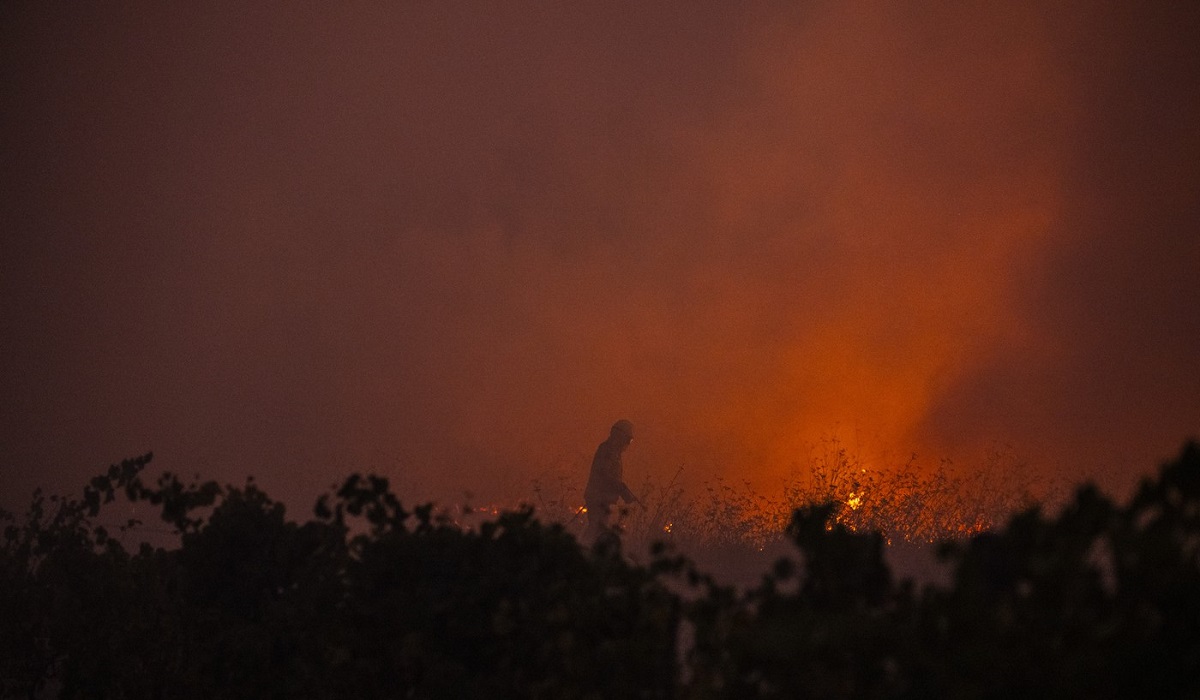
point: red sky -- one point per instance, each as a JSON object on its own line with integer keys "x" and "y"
{"x": 451, "y": 242}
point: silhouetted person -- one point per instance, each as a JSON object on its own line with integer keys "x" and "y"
{"x": 606, "y": 482}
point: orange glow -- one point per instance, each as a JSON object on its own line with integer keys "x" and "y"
{"x": 453, "y": 247}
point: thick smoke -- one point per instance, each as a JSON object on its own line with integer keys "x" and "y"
{"x": 452, "y": 242}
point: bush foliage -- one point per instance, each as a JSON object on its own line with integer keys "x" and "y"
{"x": 369, "y": 599}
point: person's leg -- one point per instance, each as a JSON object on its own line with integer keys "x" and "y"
{"x": 599, "y": 516}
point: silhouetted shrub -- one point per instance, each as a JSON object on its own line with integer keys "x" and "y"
{"x": 372, "y": 600}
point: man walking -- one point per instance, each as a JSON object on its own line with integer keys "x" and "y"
{"x": 606, "y": 482}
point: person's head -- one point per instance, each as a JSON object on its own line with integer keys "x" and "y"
{"x": 622, "y": 432}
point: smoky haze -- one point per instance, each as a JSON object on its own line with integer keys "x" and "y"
{"x": 453, "y": 242}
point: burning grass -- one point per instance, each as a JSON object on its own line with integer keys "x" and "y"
{"x": 910, "y": 503}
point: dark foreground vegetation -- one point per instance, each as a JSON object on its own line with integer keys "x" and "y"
{"x": 370, "y": 600}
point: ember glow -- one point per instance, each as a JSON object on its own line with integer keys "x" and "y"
{"x": 451, "y": 242}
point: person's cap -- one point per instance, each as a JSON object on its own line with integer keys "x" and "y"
{"x": 623, "y": 427}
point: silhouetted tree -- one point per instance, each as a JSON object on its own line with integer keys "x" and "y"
{"x": 372, "y": 600}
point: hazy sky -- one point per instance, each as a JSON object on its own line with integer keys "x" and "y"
{"x": 451, "y": 242}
